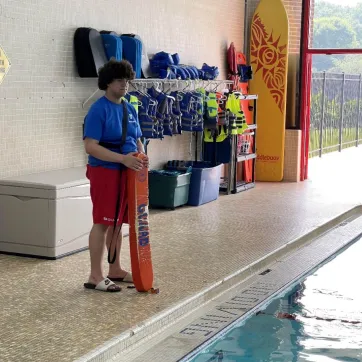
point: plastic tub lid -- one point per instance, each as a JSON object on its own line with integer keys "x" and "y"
{"x": 70, "y": 182}
{"x": 49, "y": 180}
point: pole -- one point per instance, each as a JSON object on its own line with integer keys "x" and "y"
{"x": 246, "y": 32}
{"x": 254, "y": 143}
{"x": 359, "y": 110}
{"x": 196, "y": 146}
{"x": 342, "y": 115}
{"x": 305, "y": 77}
{"x": 323, "y": 114}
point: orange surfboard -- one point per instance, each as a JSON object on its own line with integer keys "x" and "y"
{"x": 139, "y": 229}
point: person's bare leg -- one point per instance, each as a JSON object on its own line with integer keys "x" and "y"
{"x": 115, "y": 270}
{"x": 97, "y": 239}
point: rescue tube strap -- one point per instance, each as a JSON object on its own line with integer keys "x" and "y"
{"x": 113, "y": 146}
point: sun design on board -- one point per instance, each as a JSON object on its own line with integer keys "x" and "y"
{"x": 269, "y": 56}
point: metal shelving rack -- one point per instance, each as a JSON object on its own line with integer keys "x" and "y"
{"x": 169, "y": 84}
{"x": 232, "y": 186}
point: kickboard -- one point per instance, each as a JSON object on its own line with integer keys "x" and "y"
{"x": 89, "y": 52}
{"x": 139, "y": 230}
{"x": 269, "y": 59}
{"x": 145, "y": 64}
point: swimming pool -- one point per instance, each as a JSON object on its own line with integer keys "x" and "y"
{"x": 320, "y": 319}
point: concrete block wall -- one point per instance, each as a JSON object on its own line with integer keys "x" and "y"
{"x": 41, "y": 112}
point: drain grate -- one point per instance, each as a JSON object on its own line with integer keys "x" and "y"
{"x": 228, "y": 312}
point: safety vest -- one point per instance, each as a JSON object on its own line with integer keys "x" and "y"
{"x": 132, "y": 100}
{"x": 211, "y": 105}
{"x": 234, "y": 106}
{"x": 221, "y": 132}
{"x": 208, "y": 135}
{"x": 232, "y": 124}
{"x": 202, "y": 94}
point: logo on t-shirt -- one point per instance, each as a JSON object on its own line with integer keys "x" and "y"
{"x": 131, "y": 119}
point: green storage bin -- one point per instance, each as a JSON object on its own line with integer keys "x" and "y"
{"x": 167, "y": 191}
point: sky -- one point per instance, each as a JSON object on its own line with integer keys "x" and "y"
{"x": 343, "y": 2}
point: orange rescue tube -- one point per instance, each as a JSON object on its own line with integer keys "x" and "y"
{"x": 139, "y": 233}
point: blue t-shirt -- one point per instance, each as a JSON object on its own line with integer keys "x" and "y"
{"x": 104, "y": 124}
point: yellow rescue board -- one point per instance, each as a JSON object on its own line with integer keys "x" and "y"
{"x": 269, "y": 59}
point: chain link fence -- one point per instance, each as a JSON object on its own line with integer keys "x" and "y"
{"x": 335, "y": 112}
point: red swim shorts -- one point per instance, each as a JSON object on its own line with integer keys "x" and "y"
{"x": 105, "y": 185}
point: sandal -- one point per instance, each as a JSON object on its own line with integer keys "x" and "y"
{"x": 126, "y": 279}
{"x": 106, "y": 285}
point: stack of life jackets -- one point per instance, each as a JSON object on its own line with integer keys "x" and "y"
{"x": 224, "y": 118}
{"x": 167, "y": 66}
{"x": 217, "y": 115}
{"x": 161, "y": 114}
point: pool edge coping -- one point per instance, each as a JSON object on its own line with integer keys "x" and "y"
{"x": 170, "y": 316}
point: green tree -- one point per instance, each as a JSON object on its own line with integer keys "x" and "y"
{"x": 332, "y": 32}
{"x": 324, "y": 9}
{"x": 356, "y": 22}
{"x": 356, "y": 14}
{"x": 350, "y": 64}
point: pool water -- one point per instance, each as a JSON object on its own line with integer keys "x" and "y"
{"x": 319, "y": 320}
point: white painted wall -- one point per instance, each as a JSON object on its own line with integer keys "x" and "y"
{"x": 41, "y": 99}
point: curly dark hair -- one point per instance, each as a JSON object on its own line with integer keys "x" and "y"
{"x": 114, "y": 70}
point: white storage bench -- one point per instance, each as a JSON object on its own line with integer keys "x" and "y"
{"x": 47, "y": 215}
